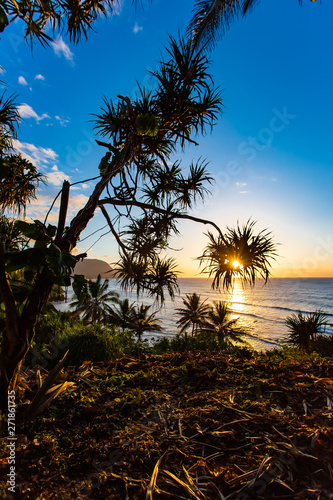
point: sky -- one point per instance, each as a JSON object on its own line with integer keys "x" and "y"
{"x": 270, "y": 153}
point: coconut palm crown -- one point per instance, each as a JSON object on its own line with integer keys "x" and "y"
{"x": 193, "y": 314}
{"x": 142, "y": 322}
{"x": 93, "y": 300}
{"x": 211, "y": 19}
{"x": 220, "y": 323}
{"x": 122, "y": 314}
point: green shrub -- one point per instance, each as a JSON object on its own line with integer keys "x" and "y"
{"x": 97, "y": 343}
{"x": 200, "y": 342}
{"x": 304, "y": 329}
{"x": 323, "y": 345}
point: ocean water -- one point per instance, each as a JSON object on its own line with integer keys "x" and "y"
{"x": 263, "y": 308}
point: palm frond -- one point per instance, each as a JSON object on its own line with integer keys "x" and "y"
{"x": 211, "y": 18}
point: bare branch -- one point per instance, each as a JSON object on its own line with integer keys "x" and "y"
{"x": 113, "y": 231}
{"x": 146, "y": 206}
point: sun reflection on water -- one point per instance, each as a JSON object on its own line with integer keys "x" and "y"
{"x": 237, "y": 298}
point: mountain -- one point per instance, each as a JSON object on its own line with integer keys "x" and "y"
{"x": 91, "y": 268}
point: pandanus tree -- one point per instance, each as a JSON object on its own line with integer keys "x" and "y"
{"x": 141, "y": 135}
{"x": 303, "y": 329}
{"x": 42, "y": 19}
{"x": 238, "y": 253}
{"x": 19, "y": 178}
{"x": 193, "y": 315}
{"x": 211, "y": 19}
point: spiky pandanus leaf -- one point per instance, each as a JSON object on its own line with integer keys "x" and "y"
{"x": 303, "y": 329}
{"x": 252, "y": 252}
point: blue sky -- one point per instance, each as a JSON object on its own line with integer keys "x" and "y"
{"x": 270, "y": 153}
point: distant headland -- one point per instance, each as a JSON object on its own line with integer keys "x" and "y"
{"x": 91, "y": 268}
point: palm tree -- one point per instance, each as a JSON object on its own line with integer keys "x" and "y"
{"x": 221, "y": 324}
{"x": 304, "y": 329}
{"x": 122, "y": 314}
{"x": 211, "y": 18}
{"x": 75, "y": 18}
{"x": 238, "y": 254}
{"x": 93, "y": 301}
{"x": 194, "y": 313}
{"x": 163, "y": 276}
{"x": 142, "y": 322}
{"x": 9, "y": 120}
{"x": 19, "y": 180}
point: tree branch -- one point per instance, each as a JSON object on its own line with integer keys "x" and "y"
{"x": 146, "y": 206}
{"x": 80, "y": 221}
{"x": 113, "y": 231}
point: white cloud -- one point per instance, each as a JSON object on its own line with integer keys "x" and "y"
{"x": 77, "y": 251}
{"x": 63, "y": 121}
{"x": 42, "y": 158}
{"x": 37, "y": 155}
{"x": 22, "y": 80}
{"x": 137, "y": 28}
{"x": 80, "y": 186}
{"x": 38, "y": 208}
{"x": 77, "y": 202}
{"x": 241, "y": 184}
{"x": 61, "y": 49}
{"x": 56, "y": 177}
{"x": 39, "y": 77}
{"x": 243, "y": 192}
{"x": 27, "y": 111}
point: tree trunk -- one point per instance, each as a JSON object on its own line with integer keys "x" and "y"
{"x": 16, "y": 344}
{"x": 20, "y": 329}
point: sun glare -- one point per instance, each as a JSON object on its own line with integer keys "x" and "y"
{"x": 237, "y": 265}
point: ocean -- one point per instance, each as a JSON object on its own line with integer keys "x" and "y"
{"x": 263, "y": 308}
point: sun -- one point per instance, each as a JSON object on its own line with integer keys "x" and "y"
{"x": 237, "y": 265}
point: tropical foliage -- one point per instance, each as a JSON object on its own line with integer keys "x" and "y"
{"x": 304, "y": 329}
{"x": 96, "y": 343}
{"x": 19, "y": 180}
{"x": 93, "y": 299}
{"x": 220, "y": 322}
{"x": 211, "y": 19}
{"x": 9, "y": 120}
{"x": 193, "y": 315}
{"x": 142, "y": 134}
{"x": 75, "y": 18}
{"x": 238, "y": 253}
{"x": 142, "y": 322}
{"x": 122, "y": 314}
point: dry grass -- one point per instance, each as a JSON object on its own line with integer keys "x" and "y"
{"x": 183, "y": 426}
